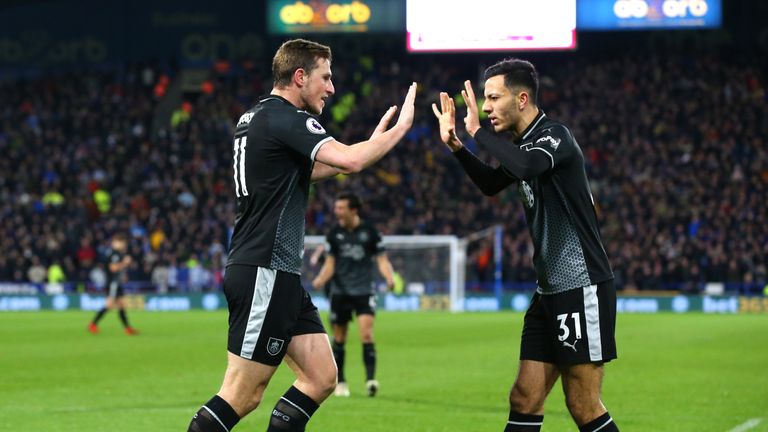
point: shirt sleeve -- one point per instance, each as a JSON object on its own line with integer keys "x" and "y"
{"x": 301, "y": 132}
{"x": 556, "y": 142}
{"x": 518, "y": 161}
{"x": 489, "y": 180}
{"x": 377, "y": 242}
{"x": 331, "y": 247}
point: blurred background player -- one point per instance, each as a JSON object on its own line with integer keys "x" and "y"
{"x": 352, "y": 246}
{"x": 569, "y": 328}
{"x": 118, "y": 261}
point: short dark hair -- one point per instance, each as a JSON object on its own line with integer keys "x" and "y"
{"x": 296, "y": 54}
{"x": 120, "y": 236}
{"x": 517, "y": 73}
{"x": 352, "y": 199}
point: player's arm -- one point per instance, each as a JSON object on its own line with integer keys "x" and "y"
{"x": 489, "y": 180}
{"x": 321, "y": 171}
{"x": 326, "y": 272}
{"x": 120, "y": 265}
{"x": 355, "y": 158}
{"x": 520, "y": 163}
{"x": 315, "y": 258}
{"x": 386, "y": 270}
{"x": 523, "y": 164}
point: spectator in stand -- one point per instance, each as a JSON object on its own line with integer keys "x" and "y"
{"x": 683, "y": 176}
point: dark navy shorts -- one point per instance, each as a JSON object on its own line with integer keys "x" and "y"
{"x": 571, "y": 327}
{"x": 266, "y": 309}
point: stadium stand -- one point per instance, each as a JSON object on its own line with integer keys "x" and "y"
{"x": 675, "y": 148}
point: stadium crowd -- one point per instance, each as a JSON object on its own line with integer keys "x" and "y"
{"x": 675, "y": 150}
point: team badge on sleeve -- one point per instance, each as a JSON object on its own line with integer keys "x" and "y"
{"x": 314, "y": 126}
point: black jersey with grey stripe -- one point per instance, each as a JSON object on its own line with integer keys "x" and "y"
{"x": 559, "y": 207}
{"x": 273, "y": 151}
{"x": 114, "y": 256}
{"x": 354, "y": 251}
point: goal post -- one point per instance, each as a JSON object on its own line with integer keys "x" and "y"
{"x": 428, "y": 264}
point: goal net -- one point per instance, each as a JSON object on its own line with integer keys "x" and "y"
{"x": 427, "y": 264}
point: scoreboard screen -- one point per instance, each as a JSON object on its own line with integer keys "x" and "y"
{"x": 490, "y": 25}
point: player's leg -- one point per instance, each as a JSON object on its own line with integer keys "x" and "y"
{"x": 120, "y": 304}
{"x": 312, "y": 361}
{"x": 309, "y": 355}
{"x": 259, "y": 318}
{"x": 582, "y": 384}
{"x": 340, "y": 316}
{"x": 366, "y": 312}
{"x": 244, "y": 383}
{"x": 240, "y": 393}
{"x": 339, "y": 356}
{"x": 593, "y": 324}
{"x": 534, "y": 381}
{"x": 109, "y": 304}
{"x": 537, "y": 372}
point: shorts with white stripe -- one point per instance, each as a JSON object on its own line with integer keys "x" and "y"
{"x": 571, "y": 327}
{"x": 266, "y": 309}
{"x": 115, "y": 290}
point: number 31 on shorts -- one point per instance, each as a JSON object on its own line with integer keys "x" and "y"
{"x": 565, "y": 331}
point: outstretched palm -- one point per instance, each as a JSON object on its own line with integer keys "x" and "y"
{"x": 472, "y": 120}
{"x": 446, "y": 117}
{"x": 384, "y": 122}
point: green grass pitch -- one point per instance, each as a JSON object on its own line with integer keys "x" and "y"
{"x": 438, "y": 372}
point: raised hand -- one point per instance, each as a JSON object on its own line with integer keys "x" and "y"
{"x": 446, "y": 116}
{"x": 472, "y": 120}
{"x": 407, "y": 111}
{"x": 384, "y": 122}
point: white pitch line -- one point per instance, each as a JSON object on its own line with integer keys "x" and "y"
{"x": 747, "y": 425}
